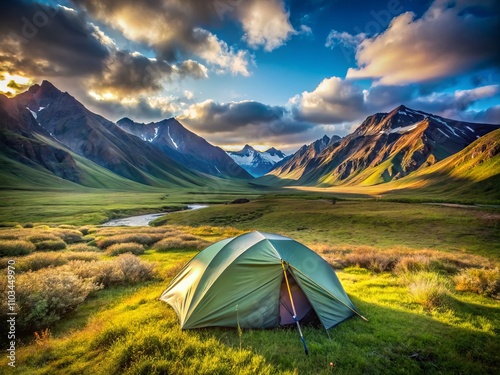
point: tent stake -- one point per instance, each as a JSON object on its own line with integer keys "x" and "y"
{"x": 293, "y": 309}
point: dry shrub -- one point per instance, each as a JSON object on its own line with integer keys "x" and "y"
{"x": 37, "y": 261}
{"x": 44, "y": 296}
{"x": 68, "y": 235}
{"x": 42, "y": 236}
{"x": 413, "y": 263}
{"x": 15, "y": 247}
{"x": 125, "y": 269}
{"x": 100, "y": 272}
{"x": 85, "y": 229}
{"x": 400, "y": 259}
{"x": 480, "y": 281}
{"x": 427, "y": 289}
{"x": 141, "y": 238}
{"x": 83, "y": 248}
{"x": 49, "y": 245}
{"x": 122, "y": 248}
{"x": 178, "y": 243}
{"x": 85, "y": 256}
{"x": 133, "y": 269}
{"x": 373, "y": 261}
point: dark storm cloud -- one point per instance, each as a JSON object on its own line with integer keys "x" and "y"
{"x": 238, "y": 120}
{"x": 45, "y": 40}
{"x": 127, "y": 73}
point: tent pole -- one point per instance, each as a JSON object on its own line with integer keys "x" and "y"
{"x": 293, "y": 309}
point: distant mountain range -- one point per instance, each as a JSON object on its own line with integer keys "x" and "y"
{"x": 47, "y": 130}
{"x": 185, "y": 147}
{"x": 49, "y": 139}
{"x": 385, "y": 147}
{"x": 255, "y": 162}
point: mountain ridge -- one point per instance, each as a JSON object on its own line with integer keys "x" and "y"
{"x": 255, "y": 162}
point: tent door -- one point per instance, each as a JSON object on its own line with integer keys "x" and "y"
{"x": 302, "y": 305}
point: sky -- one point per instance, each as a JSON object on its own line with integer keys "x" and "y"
{"x": 263, "y": 72}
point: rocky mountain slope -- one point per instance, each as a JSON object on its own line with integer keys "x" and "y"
{"x": 386, "y": 146}
{"x": 184, "y": 146}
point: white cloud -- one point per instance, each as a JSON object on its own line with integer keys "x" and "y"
{"x": 218, "y": 53}
{"x": 448, "y": 40}
{"x": 345, "y": 39}
{"x": 266, "y": 23}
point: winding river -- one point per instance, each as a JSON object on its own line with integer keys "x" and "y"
{"x": 143, "y": 220}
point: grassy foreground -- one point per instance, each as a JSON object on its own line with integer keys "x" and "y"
{"x": 409, "y": 268}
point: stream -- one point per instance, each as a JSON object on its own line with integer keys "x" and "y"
{"x": 143, "y": 220}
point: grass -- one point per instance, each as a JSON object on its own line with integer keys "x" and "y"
{"x": 379, "y": 224}
{"x": 399, "y": 263}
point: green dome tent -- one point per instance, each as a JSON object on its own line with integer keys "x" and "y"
{"x": 257, "y": 280}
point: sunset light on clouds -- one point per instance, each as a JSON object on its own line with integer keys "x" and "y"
{"x": 285, "y": 69}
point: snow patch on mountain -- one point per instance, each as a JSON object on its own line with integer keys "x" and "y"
{"x": 173, "y": 142}
{"x": 255, "y": 162}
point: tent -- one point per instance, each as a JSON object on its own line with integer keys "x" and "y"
{"x": 257, "y": 280}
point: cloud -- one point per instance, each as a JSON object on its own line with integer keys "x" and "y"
{"x": 218, "y": 53}
{"x": 45, "y": 41}
{"x": 338, "y": 101}
{"x": 237, "y": 122}
{"x": 131, "y": 73}
{"x": 344, "y": 39}
{"x": 172, "y": 29}
{"x": 451, "y": 38}
{"x": 266, "y": 23}
{"x": 333, "y": 101}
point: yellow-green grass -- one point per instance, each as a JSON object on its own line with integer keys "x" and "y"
{"x": 380, "y": 224}
{"x": 98, "y": 206}
{"x": 128, "y": 330}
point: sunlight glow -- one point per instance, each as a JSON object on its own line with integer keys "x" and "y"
{"x": 13, "y": 84}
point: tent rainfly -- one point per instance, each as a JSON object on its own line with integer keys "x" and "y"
{"x": 257, "y": 280}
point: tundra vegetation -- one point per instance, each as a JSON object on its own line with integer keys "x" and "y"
{"x": 427, "y": 277}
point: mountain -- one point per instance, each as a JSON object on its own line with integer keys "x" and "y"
{"x": 471, "y": 173}
{"x": 386, "y": 146}
{"x": 184, "y": 146}
{"x": 255, "y": 162}
{"x": 46, "y": 129}
{"x": 298, "y": 163}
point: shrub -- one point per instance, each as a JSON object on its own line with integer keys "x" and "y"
{"x": 44, "y": 296}
{"x": 83, "y": 248}
{"x": 144, "y": 239}
{"x": 43, "y": 236}
{"x": 15, "y": 247}
{"x": 85, "y": 229}
{"x": 178, "y": 243}
{"x": 481, "y": 281}
{"x": 413, "y": 263}
{"x": 68, "y": 235}
{"x": 51, "y": 245}
{"x": 8, "y": 224}
{"x": 122, "y": 248}
{"x": 85, "y": 256}
{"x": 427, "y": 288}
{"x": 133, "y": 269}
{"x": 37, "y": 261}
{"x": 100, "y": 272}
{"x": 373, "y": 261}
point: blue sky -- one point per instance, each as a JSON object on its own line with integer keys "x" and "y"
{"x": 265, "y": 72}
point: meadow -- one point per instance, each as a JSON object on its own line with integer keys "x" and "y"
{"x": 427, "y": 278}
